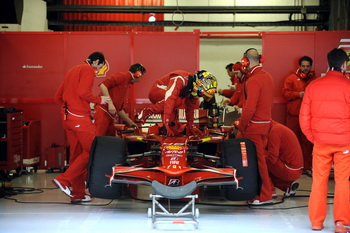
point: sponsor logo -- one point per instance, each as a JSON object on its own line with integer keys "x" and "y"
{"x": 345, "y": 44}
{"x": 174, "y": 158}
{"x": 170, "y": 155}
{"x": 32, "y": 66}
{"x": 174, "y": 162}
{"x": 174, "y": 182}
{"x": 103, "y": 71}
{"x": 173, "y": 151}
{"x": 174, "y": 147}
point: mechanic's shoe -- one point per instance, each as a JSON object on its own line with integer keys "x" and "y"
{"x": 144, "y": 114}
{"x": 292, "y": 189}
{"x": 65, "y": 188}
{"x": 317, "y": 228}
{"x": 274, "y": 194}
{"x": 340, "y": 228}
{"x": 308, "y": 173}
{"x": 258, "y": 202}
{"x": 86, "y": 198}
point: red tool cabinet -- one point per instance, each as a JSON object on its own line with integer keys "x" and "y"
{"x": 11, "y": 141}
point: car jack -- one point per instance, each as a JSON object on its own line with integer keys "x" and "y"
{"x": 180, "y": 217}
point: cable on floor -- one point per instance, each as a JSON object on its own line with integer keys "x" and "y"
{"x": 7, "y": 193}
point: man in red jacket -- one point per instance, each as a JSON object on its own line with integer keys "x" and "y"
{"x": 325, "y": 120}
{"x": 75, "y": 96}
{"x": 284, "y": 158}
{"x": 230, "y": 68}
{"x": 116, "y": 87}
{"x": 293, "y": 91}
{"x": 175, "y": 89}
{"x": 236, "y": 100}
{"x": 255, "y": 120}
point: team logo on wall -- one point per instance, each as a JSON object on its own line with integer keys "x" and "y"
{"x": 103, "y": 71}
{"x": 32, "y": 66}
{"x": 345, "y": 44}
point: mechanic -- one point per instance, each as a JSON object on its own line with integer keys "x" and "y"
{"x": 116, "y": 87}
{"x": 293, "y": 91}
{"x": 234, "y": 80}
{"x": 284, "y": 158}
{"x": 175, "y": 89}
{"x": 237, "y": 98}
{"x": 74, "y": 95}
{"x": 325, "y": 120}
{"x": 255, "y": 120}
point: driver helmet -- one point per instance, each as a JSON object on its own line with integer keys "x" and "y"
{"x": 205, "y": 85}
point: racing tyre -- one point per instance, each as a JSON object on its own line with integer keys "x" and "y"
{"x": 105, "y": 153}
{"x": 246, "y": 165}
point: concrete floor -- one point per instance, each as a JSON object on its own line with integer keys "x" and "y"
{"x": 44, "y": 208}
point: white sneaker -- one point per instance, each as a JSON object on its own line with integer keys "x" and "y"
{"x": 292, "y": 189}
{"x": 87, "y": 198}
{"x": 258, "y": 202}
{"x": 64, "y": 188}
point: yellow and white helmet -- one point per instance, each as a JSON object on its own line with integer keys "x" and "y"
{"x": 205, "y": 85}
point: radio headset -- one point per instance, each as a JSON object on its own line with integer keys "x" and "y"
{"x": 245, "y": 61}
{"x": 139, "y": 71}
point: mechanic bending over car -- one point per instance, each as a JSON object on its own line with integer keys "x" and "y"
{"x": 75, "y": 96}
{"x": 116, "y": 87}
{"x": 255, "y": 119}
{"x": 175, "y": 89}
{"x": 284, "y": 159}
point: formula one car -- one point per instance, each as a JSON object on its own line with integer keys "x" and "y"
{"x": 173, "y": 166}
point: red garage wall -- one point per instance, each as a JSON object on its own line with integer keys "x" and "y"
{"x": 282, "y": 51}
{"x": 32, "y": 66}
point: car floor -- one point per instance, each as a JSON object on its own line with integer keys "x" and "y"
{"x": 35, "y": 205}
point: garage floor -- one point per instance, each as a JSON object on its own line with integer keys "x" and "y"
{"x": 43, "y": 208}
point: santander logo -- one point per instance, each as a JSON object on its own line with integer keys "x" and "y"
{"x": 32, "y": 66}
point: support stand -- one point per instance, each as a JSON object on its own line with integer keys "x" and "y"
{"x": 166, "y": 217}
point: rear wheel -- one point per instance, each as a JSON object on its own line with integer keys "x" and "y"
{"x": 105, "y": 153}
{"x": 247, "y": 168}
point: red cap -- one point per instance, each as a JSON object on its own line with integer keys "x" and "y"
{"x": 236, "y": 67}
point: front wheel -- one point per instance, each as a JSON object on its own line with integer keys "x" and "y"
{"x": 240, "y": 154}
{"x": 105, "y": 153}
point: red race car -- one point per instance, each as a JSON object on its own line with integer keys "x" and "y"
{"x": 173, "y": 166}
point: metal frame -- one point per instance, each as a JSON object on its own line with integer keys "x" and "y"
{"x": 174, "y": 218}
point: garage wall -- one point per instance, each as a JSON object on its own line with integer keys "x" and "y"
{"x": 282, "y": 51}
{"x": 32, "y": 66}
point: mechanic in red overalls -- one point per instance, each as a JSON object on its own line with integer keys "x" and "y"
{"x": 293, "y": 91}
{"x": 325, "y": 120}
{"x": 234, "y": 80}
{"x": 116, "y": 87}
{"x": 255, "y": 120}
{"x": 284, "y": 158}
{"x": 175, "y": 89}
{"x": 75, "y": 96}
{"x": 237, "y": 98}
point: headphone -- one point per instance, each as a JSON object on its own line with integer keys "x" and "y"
{"x": 138, "y": 73}
{"x": 303, "y": 75}
{"x": 245, "y": 61}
